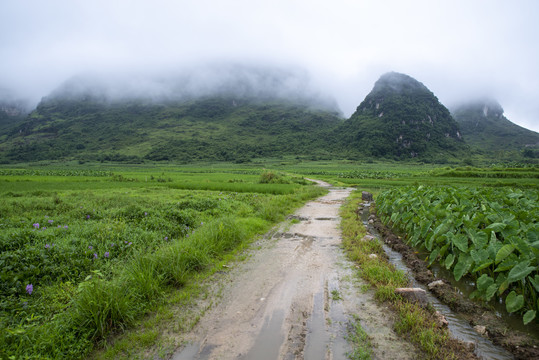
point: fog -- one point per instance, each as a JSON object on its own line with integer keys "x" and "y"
{"x": 459, "y": 49}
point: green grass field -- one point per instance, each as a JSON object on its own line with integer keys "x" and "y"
{"x": 85, "y": 253}
{"x": 87, "y": 250}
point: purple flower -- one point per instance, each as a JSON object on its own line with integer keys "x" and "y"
{"x": 166, "y": 238}
{"x": 187, "y": 235}
{"x": 90, "y": 247}
{"x": 201, "y": 223}
{"x": 106, "y": 254}
{"x": 95, "y": 256}
{"x": 29, "y": 289}
{"x": 36, "y": 225}
{"x": 112, "y": 245}
{"x": 65, "y": 226}
{"x": 51, "y": 221}
{"x": 87, "y": 216}
{"x": 59, "y": 226}
{"x": 145, "y": 213}
{"x": 44, "y": 228}
{"x": 47, "y": 246}
{"x": 129, "y": 243}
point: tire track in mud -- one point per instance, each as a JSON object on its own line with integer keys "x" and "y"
{"x": 293, "y": 298}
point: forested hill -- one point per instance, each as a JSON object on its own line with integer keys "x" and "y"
{"x": 487, "y": 130}
{"x": 401, "y": 118}
{"x": 238, "y": 113}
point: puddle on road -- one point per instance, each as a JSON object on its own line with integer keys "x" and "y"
{"x": 270, "y": 339}
{"x": 458, "y": 327}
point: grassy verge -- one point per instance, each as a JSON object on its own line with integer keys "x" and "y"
{"x": 412, "y": 322}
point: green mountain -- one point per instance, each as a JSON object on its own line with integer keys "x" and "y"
{"x": 254, "y": 113}
{"x": 236, "y": 113}
{"x": 488, "y": 131}
{"x": 401, "y": 118}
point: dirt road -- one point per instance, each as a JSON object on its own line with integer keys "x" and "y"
{"x": 293, "y": 298}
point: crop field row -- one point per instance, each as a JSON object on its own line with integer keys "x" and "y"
{"x": 83, "y": 256}
{"x": 487, "y": 235}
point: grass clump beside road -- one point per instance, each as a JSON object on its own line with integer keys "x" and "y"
{"x": 412, "y": 321}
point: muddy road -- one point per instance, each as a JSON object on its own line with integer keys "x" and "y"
{"x": 293, "y": 298}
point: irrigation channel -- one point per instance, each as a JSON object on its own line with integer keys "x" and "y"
{"x": 295, "y": 296}
{"x": 458, "y": 327}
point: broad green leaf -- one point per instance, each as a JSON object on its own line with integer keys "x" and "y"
{"x": 461, "y": 242}
{"x": 429, "y": 242}
{"x": 535, "y": 282}
{"x": 528, "y": 317}
{"x": 433, "y": 255}
{"x": 507, "y": 264}
{"x": 496, "y": 227}
{"x": 443, "y": 250}
{"x": 514, "y": 302}
{"x": 479, "y": 256}
{"x": 503, "y": 287}
{"x": 504, "y": 252}
{"x": 520, "y": 271}
{"x": 533, "y": 236}
{"x": 484, "y": 282}
{"x": 491, "y": 290}
{"x": 479, "y": 239}
{"x": 493, "y": 249}
{"x": 449, "y": 261}
{"x": 462, "y": 267}
{"x": 483, "y": 266}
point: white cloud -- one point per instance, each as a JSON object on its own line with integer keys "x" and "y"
{"x": 457, "y": 48}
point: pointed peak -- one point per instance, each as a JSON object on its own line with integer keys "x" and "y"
{"x": 398, "y": 83}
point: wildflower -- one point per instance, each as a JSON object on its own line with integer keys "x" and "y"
{"x": 187, "y": 235}
{"x": 106, "y": 254}
{"x": 47, "y": 246}
{"x": 44, "y": 228}
{"x": 129, "y": 243}
{"x": 51, "y": 221}
{"x": 90, "y": 247}
{"x": 36, "y": 225}
{"x": 87, "y": 216}
{"x": 166, "y": 238}
{"x": 65, "y": 226}
{"x": 201, "y": 223}
{"x": 29, "y": 289}
{"x": 145, "y": 213}
{"x": 95, "y": 256}
{"x": 112, "y": 245}
{"x": 59, "y": 226}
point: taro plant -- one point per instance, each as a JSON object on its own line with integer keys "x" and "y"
{"x": 488, "y": 235}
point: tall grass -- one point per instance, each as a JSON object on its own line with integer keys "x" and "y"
{"x": 110, "y": 255}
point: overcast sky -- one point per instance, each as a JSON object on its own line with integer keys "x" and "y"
{"x": 457, "y": 48}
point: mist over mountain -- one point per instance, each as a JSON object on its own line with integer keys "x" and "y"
{"x": 225, "y": 112}
{"x": 233, "y": 112}
{"x": 401, "y": 118}
{"x": 208, "y": 80}
{"x": 487, "y": 130}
